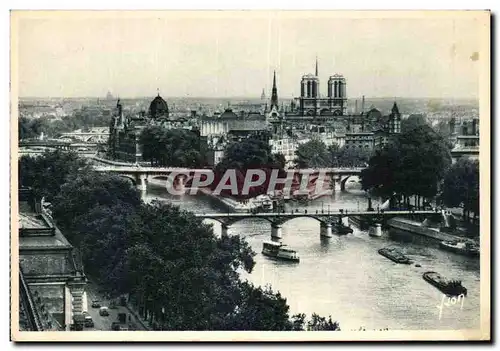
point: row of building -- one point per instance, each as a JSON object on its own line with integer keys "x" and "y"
{"x": 311, "y": 115}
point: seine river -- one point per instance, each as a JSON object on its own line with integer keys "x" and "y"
{"x": 345, "y": 277}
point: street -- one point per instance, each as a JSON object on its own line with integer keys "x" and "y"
{"x": 105, "y": 322}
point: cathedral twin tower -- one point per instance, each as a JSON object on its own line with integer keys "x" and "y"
{"x": 311, "y": 103}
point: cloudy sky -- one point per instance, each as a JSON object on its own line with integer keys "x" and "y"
{"x": 234, "y": 54}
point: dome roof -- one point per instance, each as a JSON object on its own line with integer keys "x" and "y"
{"x": 158, "y": 107}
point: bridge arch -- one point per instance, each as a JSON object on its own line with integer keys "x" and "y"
{"x": 343, "y": 181}
{"x": 128, "y": 177}
{"x": 229, "y": 220}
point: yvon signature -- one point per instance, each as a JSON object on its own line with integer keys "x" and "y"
{"x": 447, "y": 301}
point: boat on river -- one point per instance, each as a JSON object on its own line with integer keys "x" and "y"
{"x": 394, "y": 255}
{"x": 460, "y": 247}
{"x": 279, "y": 251}
{"x": 341, "y": 229}
{"x": 448, "y": 287}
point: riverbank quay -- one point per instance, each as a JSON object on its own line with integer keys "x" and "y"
{"x": 405, "y": 226}
{"x": 118, "y": 163}
{"x": 228, "y": 203}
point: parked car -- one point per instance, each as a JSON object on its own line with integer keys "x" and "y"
{"x": 96, "y": 304}
{"x": 103, "y": 311}
{"x": 89, "y": 322}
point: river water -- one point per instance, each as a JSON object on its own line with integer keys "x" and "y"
{"x": 345, "y": 277}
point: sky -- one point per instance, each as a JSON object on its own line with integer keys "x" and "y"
{"x": 223, "y": 54}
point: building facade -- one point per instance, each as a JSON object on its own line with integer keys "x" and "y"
{"x": 50, "y": 266}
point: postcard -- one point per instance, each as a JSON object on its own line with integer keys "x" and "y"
{"x": 250, "y": 175}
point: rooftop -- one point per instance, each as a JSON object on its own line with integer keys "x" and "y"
{"x": 36, "y": 230}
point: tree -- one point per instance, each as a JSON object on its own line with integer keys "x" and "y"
{"x": 30, "y": 128}
{"x": 87, "y": 190}
{"x": 171, "y": 147}
{"x": 352, "y": 157}
{"x": 312, "y": 154}
{"x": 413, "y": 164}
{"x": 48, "y": 172}
{"x": 461, "y": 186}
{"x": 318, "y": 323}
{"x": 251, "y": 153}
{"x": 413, "y": 122}
{"x": 260, "y": 309}
{"x": 103, "y": 235}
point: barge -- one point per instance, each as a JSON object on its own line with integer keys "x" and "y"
{"x": 394, "y": 255}
{"x": 460, "y": 247}
{"x": 448, "y": 287}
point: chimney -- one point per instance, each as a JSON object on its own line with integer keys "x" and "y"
{"x": 363, "y": 104}
{"x": 356, "y": 107}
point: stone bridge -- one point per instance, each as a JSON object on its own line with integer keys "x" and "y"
{"x": 140, "y": 175}
{"x": 326, "y": 219}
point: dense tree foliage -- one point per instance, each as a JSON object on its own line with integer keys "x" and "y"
{"x": 47, "y": 173}
{"x": 88, "y": 191}
{"x": 29, "y": 128}
{"x": 171, "y": 147}
{"x": 251, "y": 153}
{"x": 315, "y": 154}
{"x": 461, "y": 186}
{"x": 350, "y": 157}
{"x": 413, "y": 164}
{"x": 179, "y": 274}
{"x": 412, "y": 122}
{"x": 312, "y": 154}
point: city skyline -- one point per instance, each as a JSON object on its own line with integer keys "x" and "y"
{"x": 234, "y": 54}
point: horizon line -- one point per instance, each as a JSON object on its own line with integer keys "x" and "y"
{"x": 103, "y": 98}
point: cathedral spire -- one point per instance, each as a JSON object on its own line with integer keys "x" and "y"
{"x": 274, "y": 94}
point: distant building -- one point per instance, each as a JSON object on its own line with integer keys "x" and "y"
{"x": 124, "y": 132}
{"x": 465, "y": 139}
{"x": 360, "y": 140}
{"x": 109, "y": 96}
{"x": 310, "y": 102}
{"x": 218, "y": 131}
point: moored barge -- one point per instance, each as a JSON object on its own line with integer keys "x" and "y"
{"x": 448, "y": 287}
{"x": 394, "y": 255}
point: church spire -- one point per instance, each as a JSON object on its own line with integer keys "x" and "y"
{"x": 316, "y": 66}
{"x": 274, "y": 94}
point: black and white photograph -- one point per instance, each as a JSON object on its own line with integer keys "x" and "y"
{"x": 250, "y": 175}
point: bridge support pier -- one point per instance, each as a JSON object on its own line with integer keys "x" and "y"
{"x": 325, "y": 230}
{"x": 224, "y": 229}
{"x": 142, "y": 183}
{"x": 276, "y": 232}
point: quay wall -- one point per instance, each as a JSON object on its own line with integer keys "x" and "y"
{"x": 413, "y": 231}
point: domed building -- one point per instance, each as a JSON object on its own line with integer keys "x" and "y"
{"x": 158, "y": 108}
